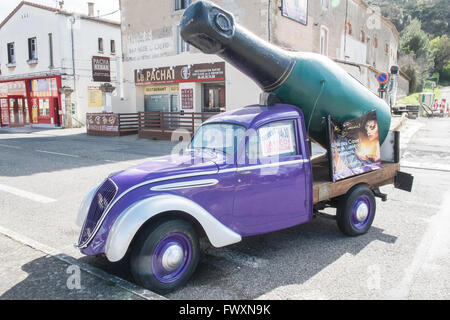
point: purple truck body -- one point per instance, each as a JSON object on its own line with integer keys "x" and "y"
{"x": 229, "y": 188}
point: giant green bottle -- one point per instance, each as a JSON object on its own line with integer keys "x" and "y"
{"x": 313, "y": 82}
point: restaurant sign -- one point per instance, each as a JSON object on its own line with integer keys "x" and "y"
{"x": 186, "y": 73}
{"x": 101, "y": 69}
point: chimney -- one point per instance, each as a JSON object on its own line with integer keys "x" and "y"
{"x": 90, "y": 9}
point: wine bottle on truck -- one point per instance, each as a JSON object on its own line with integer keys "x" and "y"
{"x": 312, "y": 82}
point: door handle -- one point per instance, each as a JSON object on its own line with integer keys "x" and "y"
{"x": 245, "y": 172}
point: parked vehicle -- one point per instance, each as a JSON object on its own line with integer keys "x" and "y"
{"x": 224, "y": 187}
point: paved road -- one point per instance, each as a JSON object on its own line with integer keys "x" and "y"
{"x": 44, "y": 176}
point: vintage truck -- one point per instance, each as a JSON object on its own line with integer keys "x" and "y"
{"x": 227, "y": 185}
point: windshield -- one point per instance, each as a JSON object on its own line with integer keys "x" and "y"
{"x": 219, "y": 137}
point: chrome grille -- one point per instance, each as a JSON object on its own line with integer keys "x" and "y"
{"x": 102, "y": 199}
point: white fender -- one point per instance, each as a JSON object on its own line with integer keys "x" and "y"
{"x": 132, "y": 219}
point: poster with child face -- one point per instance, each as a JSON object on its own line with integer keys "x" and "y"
{"x": 354, "y": 146}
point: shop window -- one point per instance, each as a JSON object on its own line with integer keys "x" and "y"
{"x": 32, "y": 49}
{"x": 182, "y": 4}
{"x": 213, "y": 97}
{"x": 44, "y": 107}
{"x": 11, "y": 53}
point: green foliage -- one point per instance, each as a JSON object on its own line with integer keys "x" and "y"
{"x": 446, "y": 71}
{"x": 440, "y": 48}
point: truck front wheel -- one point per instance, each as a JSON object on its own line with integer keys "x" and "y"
{"x": 356, "y": 211}
{"x": 165, "y": 255}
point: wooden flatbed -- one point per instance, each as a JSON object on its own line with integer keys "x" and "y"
{"x": 324, "y": 189}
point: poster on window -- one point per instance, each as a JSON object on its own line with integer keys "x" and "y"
{"x": 4, "y": 112}
{"x": 354, "y": 146}
{"x": 277, "y": 140}
{"x": 296, "y": 10}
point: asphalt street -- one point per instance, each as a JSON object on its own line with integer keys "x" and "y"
{"x": 44, "y": 176}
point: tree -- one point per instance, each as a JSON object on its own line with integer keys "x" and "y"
{"x": 415, "y": 48}
{"x": 440, "y": 48}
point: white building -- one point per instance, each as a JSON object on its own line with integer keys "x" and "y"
{"x": 44, "y": 49}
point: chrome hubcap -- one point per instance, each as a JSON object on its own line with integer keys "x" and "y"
{"x": 172, "y": 258}
{"x": 362, "y": 212}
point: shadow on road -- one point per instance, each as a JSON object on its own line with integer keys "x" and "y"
{"x": 261, "y": 264}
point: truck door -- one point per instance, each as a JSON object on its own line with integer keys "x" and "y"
{"x": 271, "y": 183}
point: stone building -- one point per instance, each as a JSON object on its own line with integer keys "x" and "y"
{"x": 163, "y": 73}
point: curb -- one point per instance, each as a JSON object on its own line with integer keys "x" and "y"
{"x": 96, "y": 272}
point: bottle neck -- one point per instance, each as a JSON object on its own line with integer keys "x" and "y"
{"x": 268, "y": 65}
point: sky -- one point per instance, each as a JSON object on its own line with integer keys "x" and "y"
{"x": 79, "y": 6}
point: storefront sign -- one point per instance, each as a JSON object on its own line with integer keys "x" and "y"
{"x": 161, "y": 89}
{"x": 95, "y": 97}
{"x": 296, "y": 10}
{"x": 187, "y": 73}
{"x": 44, "y": 88}
{"x": 3, "y": 90}
{"x": 101, "y": 69}
{"x": 354, "y": 146}
{"x": 102, "y": 122}
{"x": 187, "y": 99}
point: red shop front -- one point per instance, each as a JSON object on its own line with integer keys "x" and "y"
{"x": 35, "y": 101}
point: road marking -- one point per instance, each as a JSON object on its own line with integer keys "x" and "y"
{"x": 431, "y": 166}
{"x": 96, "y": 272}
{"x": 58, "y": 154}
{"x": 27, "y": 195}
{"x": 8, "y": 146}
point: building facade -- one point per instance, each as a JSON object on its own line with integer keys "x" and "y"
{"x": 163, "y": 73}
{"x": 47, "y": 49}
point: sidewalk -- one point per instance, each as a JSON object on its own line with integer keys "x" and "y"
{"x": 28, "y": 274}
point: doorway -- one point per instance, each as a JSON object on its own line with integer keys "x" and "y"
{"x": 17, "y": 112}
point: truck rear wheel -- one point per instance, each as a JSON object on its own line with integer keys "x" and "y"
{"x": 356, "y": 211}
{"x": 165, "y": 255}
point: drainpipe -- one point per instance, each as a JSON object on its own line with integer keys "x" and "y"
{"x": 72, "y": 22}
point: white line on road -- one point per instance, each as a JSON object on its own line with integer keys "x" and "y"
{"x": 25, "y": 194}
{"x": 58, "y": 154}
{"x": 8, "y": 146}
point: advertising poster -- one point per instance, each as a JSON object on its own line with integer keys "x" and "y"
{"x": 95, "y": 97}
{"x": 44, "y": 88}
{"x": 296, "y": 10}
{"x": 276, "y": 140}
{"x": 354, "y": 146}
{"x": 102, "y": 122}
{"x": 4, "y": 112}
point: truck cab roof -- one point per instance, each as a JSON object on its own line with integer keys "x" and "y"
{"x": 254, "y": 115}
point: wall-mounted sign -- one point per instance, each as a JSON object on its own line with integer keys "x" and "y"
{"x": 187, "y": 73}
{"x": 354, "y": 146}
{"x": 44, "y": 88}
{"x": 187, "y": 99}
{"x": 13, "y": 88}
{"x": 161, "y": 89}
{"x": 101, "y": 69}
{"x": 95, "y": 97}
{"x": 296, "y": 10}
